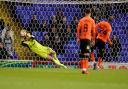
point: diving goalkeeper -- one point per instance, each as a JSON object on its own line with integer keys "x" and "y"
{"x": 36, "y": 47}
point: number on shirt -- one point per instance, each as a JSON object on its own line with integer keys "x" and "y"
{"x": 85, "y": 27}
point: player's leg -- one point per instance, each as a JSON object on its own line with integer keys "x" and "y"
{"x": 100, "y": 59}
{"x": 45, "y": 53}
{"x": 57, "y": 62}
{"x": 55, "y": 59}
{"x": 92, "y": 57}
{"x": 101, "y": 52}
{"x": 84, "y": 55}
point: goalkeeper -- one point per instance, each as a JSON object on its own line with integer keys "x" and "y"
{"x": 36, "y": 47}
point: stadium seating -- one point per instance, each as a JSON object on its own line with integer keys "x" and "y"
{"x": 44, "y": 12}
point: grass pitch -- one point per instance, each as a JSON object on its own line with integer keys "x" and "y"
{"x": 62, "y": 79}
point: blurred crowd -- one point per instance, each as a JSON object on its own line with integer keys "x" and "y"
{"x": 6, "y": 40}
{"x": 56, "y": 33}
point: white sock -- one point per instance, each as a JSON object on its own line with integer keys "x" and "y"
{"x": 84, "y": 69}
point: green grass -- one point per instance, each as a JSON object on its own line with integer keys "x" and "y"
{"x": 62, "y": 79}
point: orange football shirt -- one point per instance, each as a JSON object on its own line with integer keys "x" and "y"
{"x": 85, "y": 27}
{"x": 105, "y": 30}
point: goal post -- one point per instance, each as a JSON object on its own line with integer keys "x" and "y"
{"x": 54, "y": 22}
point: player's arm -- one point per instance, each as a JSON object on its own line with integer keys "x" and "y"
{"x": 25, "y": 36}
{"x": 108, "y": 35}
{"x": 31, "y": 37}
{"x": 78, "y": 32}
{"x": 93, "y": 31}
{"x": 97, "y": 27}
{"x": 23, "y": 44}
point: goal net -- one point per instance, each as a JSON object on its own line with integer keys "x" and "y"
{"x": 54, "y": 23}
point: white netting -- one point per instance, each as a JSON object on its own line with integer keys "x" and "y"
{"x": 53, "y": 23}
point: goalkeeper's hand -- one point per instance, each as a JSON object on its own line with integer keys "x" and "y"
{"x": 29, "y": 35}
{"x": 23, "y": 33}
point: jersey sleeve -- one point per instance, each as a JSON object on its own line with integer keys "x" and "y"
{"x": 23, "y": 44}
{"x": 108, "y": 36}
{"x": 109, "y": 30}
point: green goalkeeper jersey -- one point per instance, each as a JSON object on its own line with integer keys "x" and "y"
{"x": 37, "y": 48}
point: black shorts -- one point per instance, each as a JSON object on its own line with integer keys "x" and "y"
{"x": 85, "y": 46}
{"x": 100, "y": 45}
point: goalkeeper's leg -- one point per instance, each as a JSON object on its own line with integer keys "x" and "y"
{"x": 55, "y": 59}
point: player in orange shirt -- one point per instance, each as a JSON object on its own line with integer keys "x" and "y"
{"x": 104, "y": 30}
{"x": 85, "y": 35}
